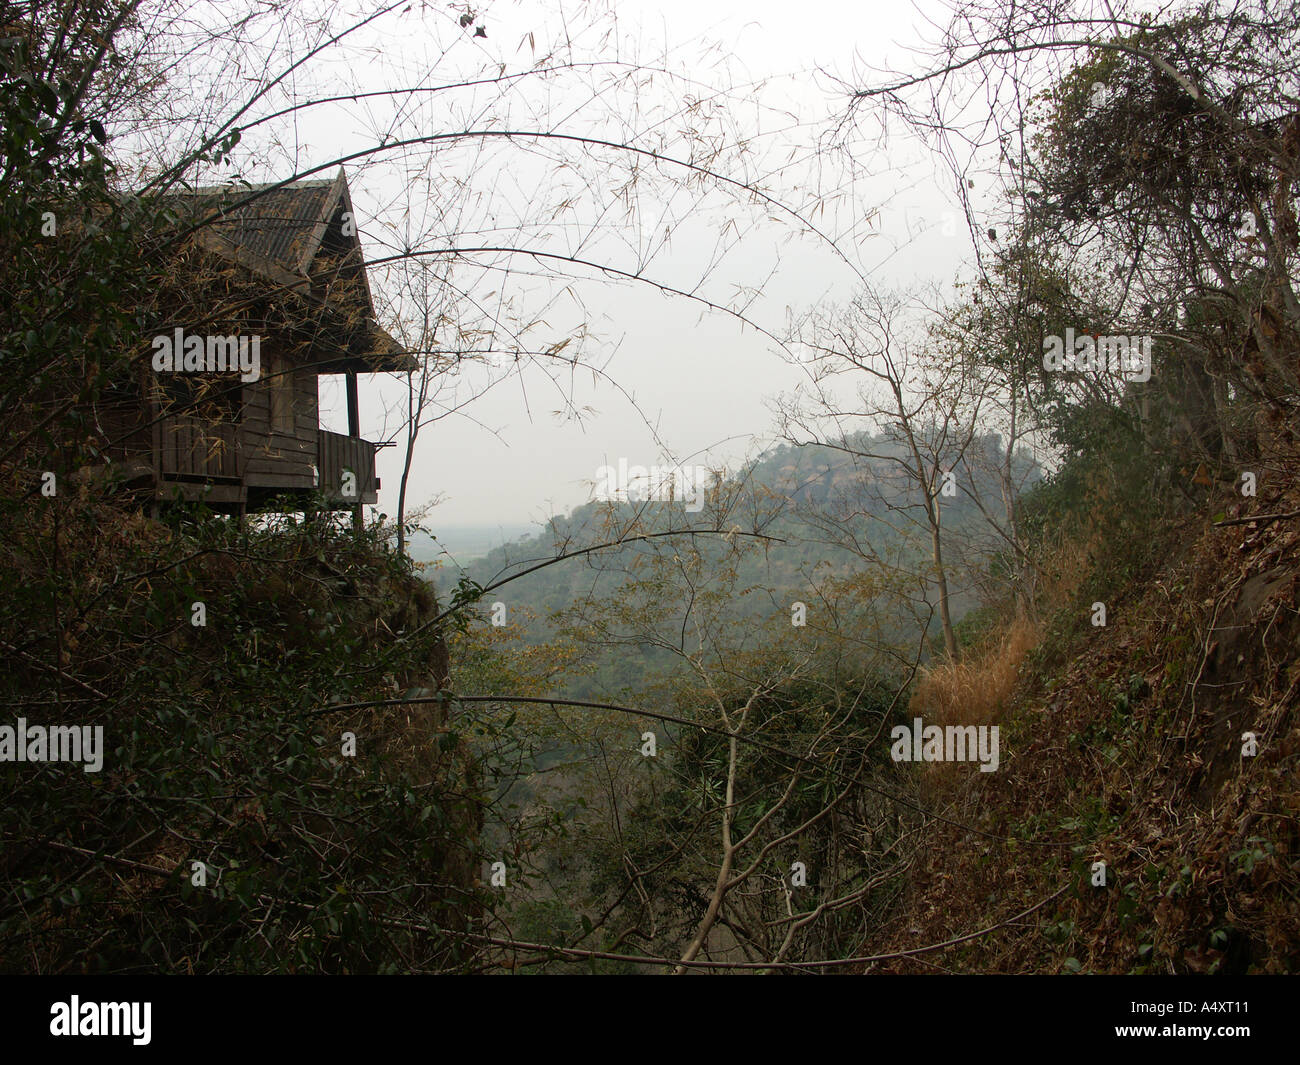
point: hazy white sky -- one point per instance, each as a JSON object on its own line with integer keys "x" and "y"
{"x": 702, "y": 380}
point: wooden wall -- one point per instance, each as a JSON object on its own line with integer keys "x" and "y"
{"x": 274, "y": 447}
{"x": 279, "y": 455}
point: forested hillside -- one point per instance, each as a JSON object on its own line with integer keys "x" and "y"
{"x": 822, "y": 513}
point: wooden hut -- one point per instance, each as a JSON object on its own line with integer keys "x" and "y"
{"x": 277, "y": 275}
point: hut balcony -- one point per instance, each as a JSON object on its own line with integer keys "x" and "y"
{"x": 337, "y": 456}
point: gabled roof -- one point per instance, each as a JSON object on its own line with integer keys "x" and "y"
{"x": 279, "y": 231}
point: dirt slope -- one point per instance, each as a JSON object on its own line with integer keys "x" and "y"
{"x": 1124, "y": 744}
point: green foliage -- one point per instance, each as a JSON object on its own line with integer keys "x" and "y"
{"x": 1257, "y": 851}
{"x": 222, "y": 747}
{"x": 800, "y": 753}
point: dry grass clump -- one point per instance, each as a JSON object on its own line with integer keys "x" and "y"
{"x": 974, "y": 690}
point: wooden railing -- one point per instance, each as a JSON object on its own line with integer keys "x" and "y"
{"x": 336, "y": 453}
{"x": 193, "y": 447}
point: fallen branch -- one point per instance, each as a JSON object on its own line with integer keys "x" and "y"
{"x": 1258, "y": 517}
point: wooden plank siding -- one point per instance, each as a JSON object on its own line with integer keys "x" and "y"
{"x": 279, "y": 455}
{"x": 262, "y": 452}
{"x": 196, "y": 448}
{"x": 338, "y": 453}
{"x": 124, "y": 435}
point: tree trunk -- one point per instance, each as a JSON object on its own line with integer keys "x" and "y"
{"x": 936, "y": 545}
